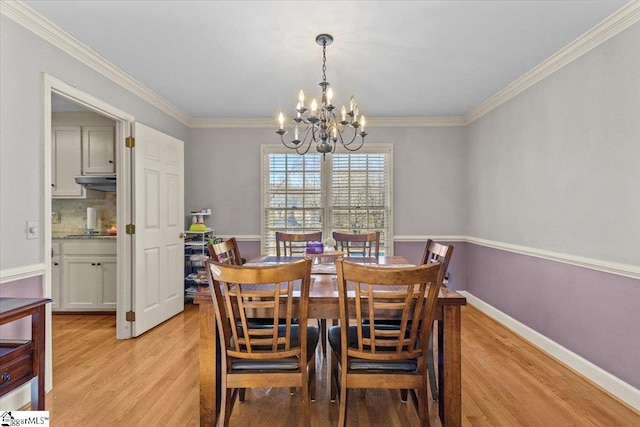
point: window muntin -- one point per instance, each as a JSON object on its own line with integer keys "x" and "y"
{"x": 349, "y": 192}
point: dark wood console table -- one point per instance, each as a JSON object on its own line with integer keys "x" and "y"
{"x": 23, "y": 360}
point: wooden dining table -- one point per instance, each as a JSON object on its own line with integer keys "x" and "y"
{"x": 323, "y": 304}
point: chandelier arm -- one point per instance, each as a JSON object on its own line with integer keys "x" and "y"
{"x": 323, "y": 128}
{"x": 353, "y": 138}
{"x": 347, "y": 146}
{"x": 305, "y": 141}
{"x": 302, "y": 153}
{"x": 285, "y": 143}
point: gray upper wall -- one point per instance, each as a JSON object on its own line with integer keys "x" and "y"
{"x": 24, "y": 57}
{"x": 554, "y": 168}
{"x": 429, "y": 177}
{"x": 557, "y": 168}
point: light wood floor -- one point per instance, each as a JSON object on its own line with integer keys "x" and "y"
{"x": 153, "y": 381}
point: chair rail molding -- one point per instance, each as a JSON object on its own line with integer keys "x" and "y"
{"x": 622, "y": 390}
{"x": 441, "y": 238}
{"x": 619, "y": 269}
{"x": 18, "y": 273}
{"x": 611, "y": 267}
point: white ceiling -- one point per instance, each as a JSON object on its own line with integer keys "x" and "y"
{"x": 249, "y": 59}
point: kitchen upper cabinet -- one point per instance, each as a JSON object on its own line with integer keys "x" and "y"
{"x": 98, "y": 150}
{"x": 66, "y": 161}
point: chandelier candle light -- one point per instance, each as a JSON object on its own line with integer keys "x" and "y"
{"x": 321, "y": 126}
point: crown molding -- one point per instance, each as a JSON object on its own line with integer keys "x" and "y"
{"x": 614, "y": 24}
{"x": 372, "y": 122}
{"x": 415, "y": 121}
{"x": 50, "y": 32}
{"x": 47, "y": 30}
{"x": 234, "y": 123}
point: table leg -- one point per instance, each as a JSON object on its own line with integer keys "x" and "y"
{"x": 449, "y": 363}
{"x": 38, "y": 339}
{"x": 208, "y": 403}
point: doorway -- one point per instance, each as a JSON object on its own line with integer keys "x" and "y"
{"x": 70, "y": 98}
{"x": 150, "y": 254}
{"x": 84, "y": 220}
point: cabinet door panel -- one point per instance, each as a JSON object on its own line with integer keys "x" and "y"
{"x": 108, "y": 279}
{"x": 55, "y": 283}
{"x": 79, "y": 274}
{"x": 98, "y": 150}
{"x": 66, "y": 146}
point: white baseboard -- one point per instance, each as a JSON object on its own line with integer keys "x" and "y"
{"x": 17, "y": 398}
{"x": 604, "y": 379}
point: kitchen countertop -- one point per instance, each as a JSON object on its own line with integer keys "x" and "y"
{"x": 83, "y": 236}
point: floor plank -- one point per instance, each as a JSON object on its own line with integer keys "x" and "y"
{"x": 153, "y": 381}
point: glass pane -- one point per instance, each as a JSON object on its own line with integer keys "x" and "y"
{"x": 294, "y": 194}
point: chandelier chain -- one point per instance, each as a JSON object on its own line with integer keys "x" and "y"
{"x": 324, "y": 61}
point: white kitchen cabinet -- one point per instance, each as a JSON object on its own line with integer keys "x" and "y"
{"x": 66, "y": 162}
{"x": 108, "y": 294}
{"x": 89, "y": 275}
{"x": 56, "y": 273}
{"x": 98, "y": 150}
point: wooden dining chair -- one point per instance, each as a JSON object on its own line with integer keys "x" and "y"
{"x": 359, "y": 244}
{"x": 376, "y": 354}
{"x": 274, "y": 355}
{"x": 435, "y": 252}
{"x": 355, "y": 244}
{"x": 226, "y": 252}
{"x": 295, "y": 244}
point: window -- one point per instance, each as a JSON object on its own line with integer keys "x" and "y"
{"x": 349, "y": 192}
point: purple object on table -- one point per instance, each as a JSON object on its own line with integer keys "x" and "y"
{"x": 315, "y": 247}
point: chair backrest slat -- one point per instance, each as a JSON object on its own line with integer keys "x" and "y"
{"x": 359, "y": 244}
{"x": 437, "y": 252}
{"x": 239, "y": 292}
{"x": 291, "y": 244}
{"x": 226, "y": 252}
{"x": 405, "y": 293}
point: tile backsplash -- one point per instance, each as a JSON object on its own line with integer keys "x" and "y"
{"x": 69, "y": 216}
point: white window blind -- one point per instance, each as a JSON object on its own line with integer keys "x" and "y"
{"x": 348, "y": 192}
{"x": 360, "y": 196}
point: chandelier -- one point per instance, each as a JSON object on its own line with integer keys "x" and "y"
{"x": 321, "y": 126}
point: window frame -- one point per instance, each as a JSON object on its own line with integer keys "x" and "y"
{"x": 326, "y": 186}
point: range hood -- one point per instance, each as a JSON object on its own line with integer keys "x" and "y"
{"x": 97, "y": 182}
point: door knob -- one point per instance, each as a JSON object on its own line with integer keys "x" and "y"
{"x": 181, "y": 235}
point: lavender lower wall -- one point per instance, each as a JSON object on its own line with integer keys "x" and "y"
{"x": 412, "y": 252}
{"x": 594, "y": 314}
{"x": 249, "y": 249}
{"x": 24, "y": 288}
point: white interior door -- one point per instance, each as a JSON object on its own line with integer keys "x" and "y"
{"x": 158, "y": 247}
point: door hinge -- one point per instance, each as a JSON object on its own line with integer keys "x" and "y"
{"x": 130, "y": 316}
{"x": 130, "y": 142}
{"x": 130, "y": 229}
